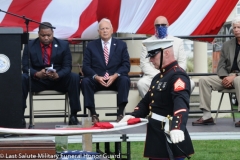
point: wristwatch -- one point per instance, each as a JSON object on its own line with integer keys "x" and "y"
{"x": 94, "y": 76}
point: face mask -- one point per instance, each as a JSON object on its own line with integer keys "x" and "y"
{"x": 161, "y": 31}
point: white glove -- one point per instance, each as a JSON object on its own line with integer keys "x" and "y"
{"x": 126, "y": 118}
{"x": 177, "y": 136}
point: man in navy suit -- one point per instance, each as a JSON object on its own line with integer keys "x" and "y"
{"x": 48, "y": 51}
{"x": 105, "y": 67}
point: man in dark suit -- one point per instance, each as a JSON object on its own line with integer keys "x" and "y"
{"x": 50, "y": 52}
{"x": 105, "y": 67}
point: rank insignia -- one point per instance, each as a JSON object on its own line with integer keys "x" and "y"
{"x": 179, "y": 85}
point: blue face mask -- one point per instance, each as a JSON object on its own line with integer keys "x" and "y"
{"x": 161, "y": 31}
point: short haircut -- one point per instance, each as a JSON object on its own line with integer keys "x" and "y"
{"x": 41, "y": 26}
{"x": 105, "y": 19}
{"x": 236, "y": 20}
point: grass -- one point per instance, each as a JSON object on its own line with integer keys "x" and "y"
{"x": 216, "y": 150}
{"x": 136, "y": 149}
{"x": 204, "y": 149}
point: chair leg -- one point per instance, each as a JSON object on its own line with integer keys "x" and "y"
{"x": 65, "y": 110}
{"x": 230, "y": 95}
{"x": 68, "y": 107}
{"x": 31, "y": 117}
{"x": 218, "y": 108}
{"x": 84, "y": 110}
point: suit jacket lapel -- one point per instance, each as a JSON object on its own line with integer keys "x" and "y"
{"x": 112, "y": 48}
{"x": 54, "y": 51}
{"x": 100, "y": 50}
{"x": 38, "y": 50}
{"x": 232, "y": 50}
{"x": 238, "y": 58}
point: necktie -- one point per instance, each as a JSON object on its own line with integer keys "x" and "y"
{"x": 105, "y": 51}
{"x": 45, "y": 56}
{"x": 106, "y": 55}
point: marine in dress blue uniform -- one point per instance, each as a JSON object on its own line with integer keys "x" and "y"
{"x": 167, "y": 98}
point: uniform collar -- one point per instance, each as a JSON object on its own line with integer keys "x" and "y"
{"x": 168, "y": 67}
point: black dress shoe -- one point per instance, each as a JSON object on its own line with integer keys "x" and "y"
{"x": 237, "y": 124}
{"x": 119, "y": 118}
{"x": 95, "y": 119}
{"x": 73, "y": 120}
{"x": 201, "y": 122}
{"x": 23, "y": 123}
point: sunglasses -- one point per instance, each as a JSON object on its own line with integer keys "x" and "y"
{"x": 162, "y": 25}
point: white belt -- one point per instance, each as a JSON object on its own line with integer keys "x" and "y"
{"x": 162, "y": 119}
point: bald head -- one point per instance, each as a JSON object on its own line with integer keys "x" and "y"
{"x": 161, "y": 20}
{"x": 168, "y": 56}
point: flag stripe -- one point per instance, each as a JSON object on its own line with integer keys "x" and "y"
{"x": 75, "y": 131}
{"x": 170, "y": 9}
{"x": 28, "y": 8}
{"x": 213, "y": 22}
{"x": 191, "y": 17}
{"x": 132, "y": 14}
{"x": 109, "y": 9}
{"x": 4, "y": 6}
{"x": 65, "y": 16}
{"x": 88, "y": 20}
{"x": 79, "y": 18}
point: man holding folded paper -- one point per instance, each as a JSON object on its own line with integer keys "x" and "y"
{"x": 50, "y": 69}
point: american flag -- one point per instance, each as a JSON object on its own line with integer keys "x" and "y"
{"x": 79, "y": 18}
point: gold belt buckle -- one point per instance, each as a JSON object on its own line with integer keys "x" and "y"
{"x": 150, "y": 115}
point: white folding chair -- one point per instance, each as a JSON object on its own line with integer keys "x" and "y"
{"x": 46, "y": 96}
{"x": 107, "y": 92}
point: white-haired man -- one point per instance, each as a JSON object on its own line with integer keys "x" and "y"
{"x": 105, "y": 67}
{"x": 228, "y": 76}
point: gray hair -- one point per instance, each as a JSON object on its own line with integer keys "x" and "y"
{"x": 105, "y": 19}
{"x": 236, "y": 20}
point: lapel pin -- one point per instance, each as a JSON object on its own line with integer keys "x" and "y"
{"x": 114, "y": 44}
{"x": 55, "y": 45}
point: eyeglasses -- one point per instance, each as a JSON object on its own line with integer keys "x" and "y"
{"x": 162, "y": 25}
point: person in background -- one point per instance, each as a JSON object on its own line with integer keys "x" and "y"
{"x": 166, "y": 104}
{"x": 227, "y": 76}
{"x": 50, "y": 69}
{"x": 161, "y": 26}
{"x": 105, "y": 67}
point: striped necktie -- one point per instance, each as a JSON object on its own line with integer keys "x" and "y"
{"x": 106, "y": 56}
{"x": 45, "y": 56}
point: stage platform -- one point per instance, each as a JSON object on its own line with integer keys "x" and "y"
{"x": 223, "y": 129}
